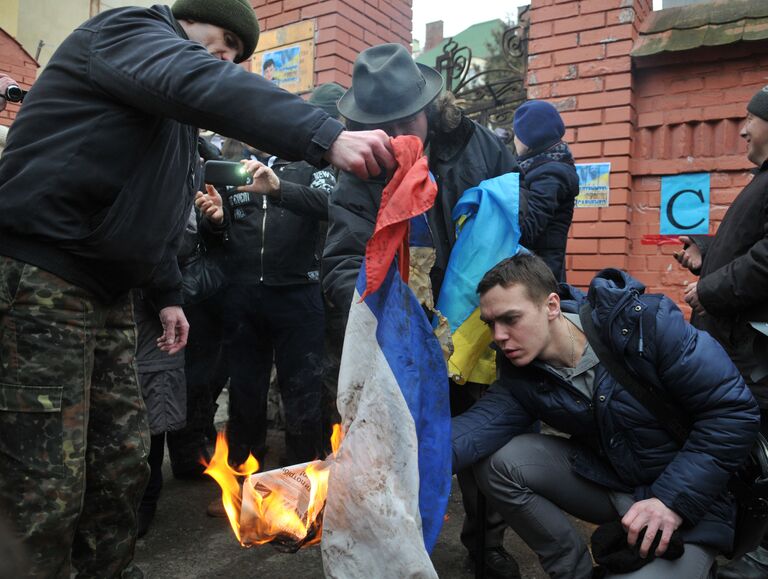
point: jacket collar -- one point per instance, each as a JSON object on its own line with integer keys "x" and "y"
{"x": 176, "y": 25}
{"x": 444, "y": 147}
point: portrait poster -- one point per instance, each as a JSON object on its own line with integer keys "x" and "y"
{"x": 286, "y": 57}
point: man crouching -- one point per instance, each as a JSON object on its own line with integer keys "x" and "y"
{"x": 620, "y": 463}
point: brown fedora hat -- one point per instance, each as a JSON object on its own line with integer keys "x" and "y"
{"x": 387, "y": 85}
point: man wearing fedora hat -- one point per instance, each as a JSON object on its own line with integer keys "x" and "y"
{"x": 96, "y": 185}
{"x": 393, "y": 93}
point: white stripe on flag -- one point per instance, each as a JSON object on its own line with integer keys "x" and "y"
{"x": 371, "y": 525}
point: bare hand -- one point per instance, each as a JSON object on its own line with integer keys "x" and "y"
{"x": 364, "y": 153}
{"x": 690, "y": 257}
{"x": 5, "y": 82}
{"x": 264, "y": 179}
{"x": 175, "y": 329}
{"x": 210, "y": 204}
{"x": 654, "y": 516}
{"x": 691, "y": 297}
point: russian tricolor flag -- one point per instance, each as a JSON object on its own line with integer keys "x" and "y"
{"x": 389, "y": 483}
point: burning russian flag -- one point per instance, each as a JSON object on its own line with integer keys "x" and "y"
{"x": 389, "y": 483}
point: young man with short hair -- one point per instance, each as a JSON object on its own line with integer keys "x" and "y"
{"x": 619, "y": 463}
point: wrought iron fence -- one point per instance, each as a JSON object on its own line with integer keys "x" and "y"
{"x": 491, "y": 95}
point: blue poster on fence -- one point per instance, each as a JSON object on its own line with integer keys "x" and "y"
{"x": 685, "y": 204}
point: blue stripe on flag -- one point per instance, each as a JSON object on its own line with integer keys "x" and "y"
{"x": 405, "y": 336}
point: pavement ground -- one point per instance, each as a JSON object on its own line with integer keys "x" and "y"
{"x": 184, "y": 542}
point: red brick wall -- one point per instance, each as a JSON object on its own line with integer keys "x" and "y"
{"x": 690, "y": 109}
{"x": 579, "y": 60}
{"x": 343, "y": 28}
{"x": 19, "y": 65}
{"x": 662, "y": 115}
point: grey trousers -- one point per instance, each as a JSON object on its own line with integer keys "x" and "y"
{"x": 531, "y": 483}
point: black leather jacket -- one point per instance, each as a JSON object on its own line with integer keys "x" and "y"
{"x": 96, "y": 181}
{"x": 279, "y": 241}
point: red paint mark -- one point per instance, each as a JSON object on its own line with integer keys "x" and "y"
{"x": 660, "y": 240}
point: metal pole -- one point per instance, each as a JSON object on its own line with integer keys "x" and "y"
{"x": 39, "y": 48}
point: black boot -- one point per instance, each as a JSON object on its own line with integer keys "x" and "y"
{"x": 753, "y": 565}
{"x": 499, "y": 564}
{"x": 145, "y": 516}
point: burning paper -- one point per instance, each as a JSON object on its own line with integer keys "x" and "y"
{"x": 282, "y": 506}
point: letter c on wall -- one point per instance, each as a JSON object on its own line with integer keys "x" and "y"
{"x": 671, "y": 209}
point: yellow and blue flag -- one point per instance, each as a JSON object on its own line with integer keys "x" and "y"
{"x": 487, "y": 231}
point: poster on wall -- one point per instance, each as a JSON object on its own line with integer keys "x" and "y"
{"x": 287, "y": 57}
{"x": 594, "y": 185}
{"x": 684, "y": 204}
{"x": 282, "y": 66}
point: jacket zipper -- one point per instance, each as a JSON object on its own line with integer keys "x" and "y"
{"x": 263, "y": 235}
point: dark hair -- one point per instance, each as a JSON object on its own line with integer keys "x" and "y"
{"x": 267, "y": 63}
{"x": 526, "y": 269}
{"x": 444, "y": 113}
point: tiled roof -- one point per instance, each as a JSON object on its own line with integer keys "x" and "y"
{"x": 714, "y": 23}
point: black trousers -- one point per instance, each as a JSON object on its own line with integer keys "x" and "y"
{"x": 206, "y": 373}
{"x": 462, "y": 399}
{"x": 284, "y": 324}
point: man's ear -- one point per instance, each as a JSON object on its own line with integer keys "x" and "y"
{"x": 553, "y": 306}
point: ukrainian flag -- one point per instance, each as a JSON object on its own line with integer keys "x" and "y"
{"x": 487, "y": 231}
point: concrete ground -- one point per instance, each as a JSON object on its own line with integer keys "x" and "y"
{"x": 184, "y": 542}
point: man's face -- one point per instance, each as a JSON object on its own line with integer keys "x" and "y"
{"x": 269, "y": 72}
{"x": 416, "y": 125}
{"x": 755, "y": 132}
{"x": 221, "y": 43}
{"x": 520, "y": 326}
{"x": 520, "y": 148}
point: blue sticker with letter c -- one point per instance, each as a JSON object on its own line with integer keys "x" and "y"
{"x": 684, "y": 204}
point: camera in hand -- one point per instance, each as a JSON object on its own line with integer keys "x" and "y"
{"x": 14, "y": 93}
{"x": 222, "y": 173}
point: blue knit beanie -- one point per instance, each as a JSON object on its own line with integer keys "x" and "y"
{"x": 538, "y": 124}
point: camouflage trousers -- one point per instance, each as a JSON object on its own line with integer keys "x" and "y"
{"x": 73, "y": 430}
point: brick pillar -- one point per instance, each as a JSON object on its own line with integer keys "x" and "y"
{"x": 19, "y": 65}
{"x": 579, "y": 60}
{"x": 343, "y": 28}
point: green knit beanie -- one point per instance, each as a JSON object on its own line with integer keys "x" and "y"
{"x": 758, "y": 105}
{"x": 326, "y": 96}
{"x": 237, "y": 16}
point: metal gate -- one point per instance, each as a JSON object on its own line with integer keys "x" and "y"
{"x": 490, "y": 96}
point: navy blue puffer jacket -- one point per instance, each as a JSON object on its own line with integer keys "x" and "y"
{"x": 623, "y": 445}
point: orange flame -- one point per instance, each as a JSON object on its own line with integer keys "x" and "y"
{"x": 226, "y": 476}
{"x": 285, "y": 504}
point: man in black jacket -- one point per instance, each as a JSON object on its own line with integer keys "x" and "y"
{"x": 95, "y": 188}
{"x": 730, "y": 300}
{"x": 389, "y": 91}
{"x": 273, "y": 308}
